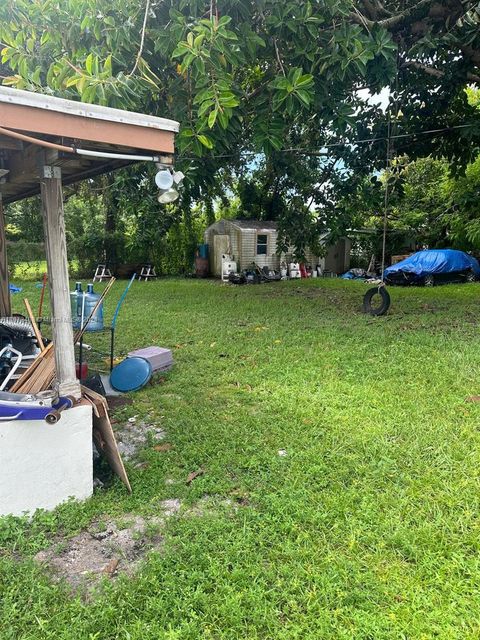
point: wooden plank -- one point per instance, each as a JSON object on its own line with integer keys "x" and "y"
{"x": 34, "y": 324}
{"x": 5, "y": 307}
{"x": 56, "y": 249}
{"x": 54, "y": 123}
{"x": 27, "y": 374}
{"x": 103, "y": 435}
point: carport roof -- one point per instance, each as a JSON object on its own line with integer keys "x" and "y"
{"x": 74, "y": 126}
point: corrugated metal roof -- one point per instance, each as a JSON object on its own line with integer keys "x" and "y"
{"x": 97, "y": 112}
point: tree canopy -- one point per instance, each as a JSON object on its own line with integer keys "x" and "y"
{"x": 268, "y": 94}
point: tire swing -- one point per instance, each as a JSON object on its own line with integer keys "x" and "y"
{"x": 376, "y": 301}
{"x": 375, "y": 306}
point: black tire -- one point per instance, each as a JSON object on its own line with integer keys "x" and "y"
{"x": 376, "y": 309}
{"x": 471, "y": 277}
{"x": 429, "y": 281}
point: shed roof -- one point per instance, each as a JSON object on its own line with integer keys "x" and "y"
{"x": 74, "y": 125}
{"x": 267, "y": 225}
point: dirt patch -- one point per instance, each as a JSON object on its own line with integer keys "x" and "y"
{"x": 136, "y": 435}
{"x": 107, "y": 548}
{"x": 112, "y": 547}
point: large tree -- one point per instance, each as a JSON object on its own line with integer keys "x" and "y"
{"x": 264, "y": 89}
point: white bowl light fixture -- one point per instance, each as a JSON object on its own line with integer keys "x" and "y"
{"x": 168, "y": 182}
{"x": 164, "y": 179}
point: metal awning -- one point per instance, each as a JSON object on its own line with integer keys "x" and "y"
{"x": 75, "y": 127}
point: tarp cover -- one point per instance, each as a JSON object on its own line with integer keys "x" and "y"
{"x": 432, "y": 261}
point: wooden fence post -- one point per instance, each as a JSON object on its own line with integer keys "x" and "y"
{"x": 56, "y": 248}
{"x": 5, "y": 307}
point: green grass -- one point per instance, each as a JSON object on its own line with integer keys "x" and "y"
{"x": 367, "y": 529}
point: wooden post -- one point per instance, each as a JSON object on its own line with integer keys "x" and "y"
{"x": 56, "y": 248}
{"x": 5, "y": 308}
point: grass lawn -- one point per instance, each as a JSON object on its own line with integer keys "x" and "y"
{"x": 368, "y": 527}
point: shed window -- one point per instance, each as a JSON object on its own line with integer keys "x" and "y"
{"x": 262, "y": 242}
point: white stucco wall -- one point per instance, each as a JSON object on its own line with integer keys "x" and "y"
{"x": 43, "y": 465}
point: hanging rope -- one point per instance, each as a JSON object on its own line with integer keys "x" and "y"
{"x": 389, "y": 153}
{"x": 387, "y": 193}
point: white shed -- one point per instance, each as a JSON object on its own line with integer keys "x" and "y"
{"x": 250, "y": 241}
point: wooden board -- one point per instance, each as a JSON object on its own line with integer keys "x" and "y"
{"x": 103, "y": 435}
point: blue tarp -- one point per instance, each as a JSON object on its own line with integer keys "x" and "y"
{"x": 355, "y": 274}
{"x": 431, "y": 261}
{"x": 14, "y": 289}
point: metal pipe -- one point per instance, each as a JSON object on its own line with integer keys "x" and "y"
{"x": 118, "y": 156}
{"x": 41, "y": 143}
{"x": 81, "y": 152}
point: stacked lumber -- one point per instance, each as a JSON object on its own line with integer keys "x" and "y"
{"x": 39, "y": 375}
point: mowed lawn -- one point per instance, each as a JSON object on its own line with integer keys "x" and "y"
{"x": 367, "y": 527}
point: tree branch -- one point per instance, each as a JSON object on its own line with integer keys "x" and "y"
{"x": 437, "y": 73}
{"x": 436, "y": 13}
{"x": 277, "y": 53}
{"x": 142, "y": 38}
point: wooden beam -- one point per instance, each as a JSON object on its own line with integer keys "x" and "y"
{"x": 5, "y": 308}
{"x": 56, "y": 248}
{"x": 66, "y": 125}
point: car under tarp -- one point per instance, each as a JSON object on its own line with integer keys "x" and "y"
{"x": 433, "y": 262}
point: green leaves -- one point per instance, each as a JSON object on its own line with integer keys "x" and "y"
{"x": 294, "y": 91}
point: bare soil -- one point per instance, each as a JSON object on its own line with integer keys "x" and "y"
{"x": 107, "y": 548}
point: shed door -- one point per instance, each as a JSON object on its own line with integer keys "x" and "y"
{"x": 221, "y": 245}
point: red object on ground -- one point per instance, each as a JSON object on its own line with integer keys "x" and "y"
{"x": 303, "y": 271}
{"x": 84, "y": 372}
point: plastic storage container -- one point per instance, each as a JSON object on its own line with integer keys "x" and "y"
{"x": 203, "y": 250}
{"x": 160, "y": 359}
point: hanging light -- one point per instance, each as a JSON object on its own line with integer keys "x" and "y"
{"x": 168, "y": 195}
{"x": 178, "y": 177}
{"x": 164, "y": 179}
{"x": 168, "y": 182}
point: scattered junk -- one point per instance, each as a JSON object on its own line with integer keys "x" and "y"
{"x": 160, "y": 359}
{"x": 82, "y": 368}
{"x": 254, "y": 274}
{"x": 201, "y": 261}
{"x": 45, "y": 405}
{"x": 244, "y": 242}
{"x": 229, "y": 266}
{"x": 294, "y": 270}
{"x": 137, "y": 369}
{"x": 47, "y": 418}
{"x": 131, "y": 374}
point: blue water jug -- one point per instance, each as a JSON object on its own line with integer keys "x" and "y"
{"x": 90, "y": 300}
{"x": 76, "y": 305}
